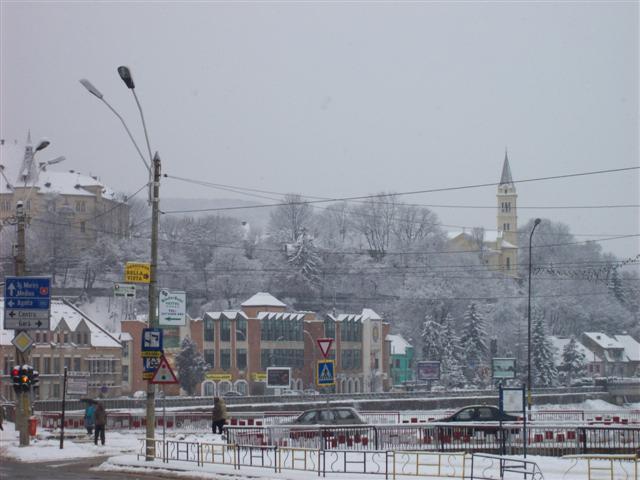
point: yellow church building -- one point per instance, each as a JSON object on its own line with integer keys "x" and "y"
{"x": 497, "y": 249}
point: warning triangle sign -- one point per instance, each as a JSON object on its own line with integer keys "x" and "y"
{"x": 164, "y": 374}
{"x": 325, "y": 345}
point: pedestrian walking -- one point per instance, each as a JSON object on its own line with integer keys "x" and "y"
{"x": 100, "y": 416}
{"x": 89, "y": 419}
{"x": 1, "y": 417}
{"x": 219, "y": 415}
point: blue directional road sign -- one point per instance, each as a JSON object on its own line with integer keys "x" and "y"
{"x": 325, "y": 373}
{"x": 27, "y": 303}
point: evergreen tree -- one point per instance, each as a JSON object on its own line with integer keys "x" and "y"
{"x": 474, "y": 345}
{"x": 304, "y": 256}
{"x": 573, "y": 361}
{"x": 615, "y": 285}
{"x": 190, "y": 366}
{"x": 544, "y": 370}
{"x": 432, "y": 347}
{"x": 452, "y": 374}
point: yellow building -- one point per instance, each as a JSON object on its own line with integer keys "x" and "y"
{"x": 497, "y": 249}
{"x": 79, "y": 204}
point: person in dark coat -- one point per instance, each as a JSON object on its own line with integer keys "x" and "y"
{"x": 100, "y": 416}
{"x": 219, "y": 415}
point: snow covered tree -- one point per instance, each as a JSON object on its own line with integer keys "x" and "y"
{"x": 543, "y": 366}
{"x": 473, "y": 344}
{"x": 451, "y": 368}
{"x": 190, "y": 366}
{"x": 573, "y": 361}
{"x": 304, "y": 256}
{"x": 288, "y": 220}
{"x": 615, "y": 285}
{"x": 432, "y": 345}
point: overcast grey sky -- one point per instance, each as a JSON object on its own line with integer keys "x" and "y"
{"x": 338, "y": 99}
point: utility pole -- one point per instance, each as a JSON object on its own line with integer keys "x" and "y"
{"x": 23, "y": 399}
{"x": 153, "y": 319}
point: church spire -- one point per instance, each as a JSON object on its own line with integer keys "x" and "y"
{"x": 29, "y": 137}
{"x": 506, "y": 179}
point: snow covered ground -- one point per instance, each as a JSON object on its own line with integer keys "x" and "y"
{"x": 123, "y": 448}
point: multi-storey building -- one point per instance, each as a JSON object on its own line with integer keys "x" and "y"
{"x": 239, "y": 345}
{"x": 64, "y": 204}
{"x": 74, "y": 341}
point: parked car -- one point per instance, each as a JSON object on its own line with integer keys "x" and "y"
{"x": 329, "y": 416}
{"x": 290, "y": 393}
{"x": 487, "y": 416}
{"x": 232, "y": 393}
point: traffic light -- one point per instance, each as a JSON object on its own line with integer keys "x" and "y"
{"x": 15, "y": 377}
{"x": 23, "y": 378}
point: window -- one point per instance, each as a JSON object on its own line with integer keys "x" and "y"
{"x": 171, "y": 337}
{"x": 282, "y": 357}
{"x": 37, "y": 337}
{"x": 77, "y": 364}
{"x": 225, "y": 332}
{"x": 56, "y": 365}
{"x": 125, "y": 373}
{"x": 56, "y": 390}
{"x": 351, "y": 359}
{"x": 208, "y": 330}
{"x": 66, "y": 338}
{"x": 225, "y": 359}
{"x": 329, "y": 327}
{"x": 241, "y": 358}
{"x": 125, "y": 349}
{"x": 241, "y": 329}
{"x": 85, "y": 337}
{"x": 47, "y": 365}
{"x": 397, "y": 365}
{"x": 36, "y": 363}
{"x": 67, "y": 363}
{"x": 210, "y": 357}
{"x": 508, "y": 263}
{"x": 83, "y": 227}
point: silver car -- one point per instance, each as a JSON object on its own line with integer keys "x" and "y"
{"x": 329, "y": 416}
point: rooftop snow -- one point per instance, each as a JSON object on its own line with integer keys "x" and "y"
{"x": 631, "y": 347}
{"x": 73, "y": 317}
{"x": 398, "y": 344}
{"x": 370, "y": 314}
{"x": 603, "y": 340}
{"x": 263, "y": 299}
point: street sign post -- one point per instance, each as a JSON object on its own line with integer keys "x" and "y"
{"x": 137, "y": 272}
{"x": 325, "y": 345}
{"x": 325, "y": 373}
{"x": 27, "y": 303}
{"x": 428, "y": 370}
{"x": 164, "y": 374}
{"x": 78, "y": 383}
{"x": 125, "y": 290}
{"x": 22, "y": 341}
{"x": 151, "y": 341}
{"x": 503, "y": 368}
{"x": 172, "y": 308}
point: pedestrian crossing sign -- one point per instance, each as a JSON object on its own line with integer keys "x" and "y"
{"x": 325, "y": 373}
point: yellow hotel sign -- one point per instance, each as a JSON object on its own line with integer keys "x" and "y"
{"x": 259, "y": 377}
{"x": 136, "y": 272}
{"x": 218, "y": 376}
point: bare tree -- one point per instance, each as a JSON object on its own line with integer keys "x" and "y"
{"x": 375, "y": 219}
{"x": 288, "y": 220}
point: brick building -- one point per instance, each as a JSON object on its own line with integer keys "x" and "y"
{"x": 240, "y": 345}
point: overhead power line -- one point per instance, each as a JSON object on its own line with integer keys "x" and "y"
{"x": 382, "y": 195}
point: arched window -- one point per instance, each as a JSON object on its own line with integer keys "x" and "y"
{"x": 208, "y": 389}
{"x": 242, "y": 387}
{"x": 508, "y": 263}
{"x": 356, "y": 385}
{"x": 223, "y": 387}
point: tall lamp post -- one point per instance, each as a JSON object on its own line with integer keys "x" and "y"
{"x": 529, "y": 397}
{"x": 153, "y": 167}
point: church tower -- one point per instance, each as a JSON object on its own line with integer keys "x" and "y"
{"x": 507, "y": 217}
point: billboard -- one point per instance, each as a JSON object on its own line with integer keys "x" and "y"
{"x": 428, "y": 370}
{"x": 278, "y": 377}
{"x": 503, "y": 367}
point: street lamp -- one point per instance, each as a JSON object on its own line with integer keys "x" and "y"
{"x": 154, "y": 199}
{"x": 529, "y": 398}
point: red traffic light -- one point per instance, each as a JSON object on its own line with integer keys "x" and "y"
{"x": 15, "y": 372}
